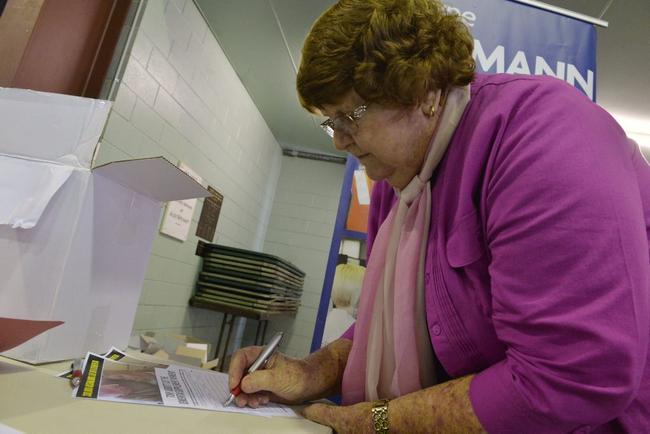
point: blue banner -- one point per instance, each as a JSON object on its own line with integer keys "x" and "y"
{"x": 521, "y": 39}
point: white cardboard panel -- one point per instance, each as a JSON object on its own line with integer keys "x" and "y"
{"x": 124, "y": 226}
{"x": 90, "y": 272}
{"x": 26, "y": 188}
{"x": 32, "y": 259}
{"x": 32, "y": 262}
{"x": 105, "y": 271}
{"x": 51, "y": 127}
{"x": 85, "y": 261}
{"x": 153, "y": 177}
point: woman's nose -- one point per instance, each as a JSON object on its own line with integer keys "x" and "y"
{"x": 342, "y": 140}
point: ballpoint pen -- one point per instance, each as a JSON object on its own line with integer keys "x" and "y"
{"x": 260, "y": 362}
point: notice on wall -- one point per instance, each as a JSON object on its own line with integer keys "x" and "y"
{"x": 209, "y": 215}
{"x": 357, "y": 219}
{"x": 177, "y": 219}
{"x": 361, "y": 182}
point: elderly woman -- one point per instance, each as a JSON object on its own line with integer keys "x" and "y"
{"x": 508, "y": 284}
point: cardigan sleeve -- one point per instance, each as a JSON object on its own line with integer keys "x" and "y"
{"x": 569, "y": 269}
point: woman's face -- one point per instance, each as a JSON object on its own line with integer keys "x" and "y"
{"x": 390, "y": 142}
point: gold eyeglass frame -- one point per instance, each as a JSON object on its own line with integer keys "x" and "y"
{"x": 345, "y": 122}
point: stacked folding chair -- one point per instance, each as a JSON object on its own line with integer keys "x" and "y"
{"x": 247, "y": 280}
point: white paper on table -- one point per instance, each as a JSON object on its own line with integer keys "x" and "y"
{"x": 4, "y": 429}
{"x": 194, "y": 388}
{"x": 26, "y": 187}
{"x": 362, "y": 187}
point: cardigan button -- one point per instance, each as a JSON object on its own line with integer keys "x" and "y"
{"x": 436, "y": 330}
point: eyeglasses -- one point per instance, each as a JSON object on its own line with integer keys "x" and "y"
{"x": 345, "y": 123}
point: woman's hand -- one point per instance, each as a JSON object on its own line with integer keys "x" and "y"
{"x": 287, "y": 380}
{"x": 282, "y": 380}
{"x": 445, "y": 408}
{"x": 351, "y": 419}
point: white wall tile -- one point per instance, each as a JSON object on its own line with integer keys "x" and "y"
{"x": 124, "y": 101}
{"x": 160, "y": 68}
{"x": 168, "y": 108}
{"x": 121, "y": 134}
{"x": 320, "y": 229}
{"x": 173, "y": 142}
{"x": 183, "y": 58}
{"x": 147, "y": 120}
{"x": 178, "y": 28}
{"x": 193, "y": 105}
{"x": 140, "y": 82}
{"x": 142, "y": 47}
{"x": 149, "y": 148}
{"x": 195, "y": 22}
{"x": 179, "y": 4}
{"x": 207, "y": 92}
{"x": 283, "y": 223}
{"x": 154, "y": 25}
{"x": 108, "y": 152}
{"x": 298, "y": 232}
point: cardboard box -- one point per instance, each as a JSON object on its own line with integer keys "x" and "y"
{"x": 179, "y": 348}
{"x": 74, "y": 241}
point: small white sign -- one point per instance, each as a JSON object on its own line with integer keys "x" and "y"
{"x": 362, "y": 186}
{"x": 178, "y": 215}
{"x": 350, "y": 248}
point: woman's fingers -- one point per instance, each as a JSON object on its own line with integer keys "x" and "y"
{"x": 239, "y": 362}
{"x": 281, "y": 380}
{"x": 253, "y": 400}
{"x": 254, "y": 386}
{"x": 260, "y": 380}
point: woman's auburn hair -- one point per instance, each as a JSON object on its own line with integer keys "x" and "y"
{"x": 392, "y": 52}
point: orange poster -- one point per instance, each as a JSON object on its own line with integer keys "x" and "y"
{"x": 359, "y": 203}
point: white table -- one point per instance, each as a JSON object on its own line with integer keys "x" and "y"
{"x": 33, "y": 400}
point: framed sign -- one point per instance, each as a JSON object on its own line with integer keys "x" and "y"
{"x": 209, "y": 215}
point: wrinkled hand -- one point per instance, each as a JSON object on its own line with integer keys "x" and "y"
{"x": 283, "y": 380}
{"x": 351, "y": 419}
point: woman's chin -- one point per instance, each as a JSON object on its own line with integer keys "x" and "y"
{"x": 376, "y": 175}
{"x": 375, "y": 171}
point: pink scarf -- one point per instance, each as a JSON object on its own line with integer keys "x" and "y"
{"x": 391, "y": 353}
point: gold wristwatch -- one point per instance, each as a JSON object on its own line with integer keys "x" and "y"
{"x": 380, "y": 416}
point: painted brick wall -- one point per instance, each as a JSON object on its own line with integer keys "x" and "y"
{"x": 180, "y": 98}
{"x": 300, "y": 230}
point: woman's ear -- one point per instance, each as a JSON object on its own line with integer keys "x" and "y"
{"x": 431, "y": 103}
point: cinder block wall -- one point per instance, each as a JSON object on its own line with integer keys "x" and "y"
{"x": 300, "y": 230}
{"x": 180, "y": 98}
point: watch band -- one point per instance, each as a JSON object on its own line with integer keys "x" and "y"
{"x": 380, "y": 416}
